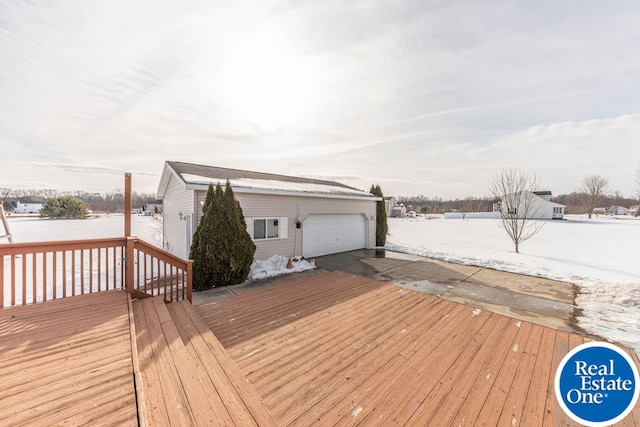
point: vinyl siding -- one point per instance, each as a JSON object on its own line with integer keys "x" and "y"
{"x": 177, "y": 199}
{"x": 293, "y": 207}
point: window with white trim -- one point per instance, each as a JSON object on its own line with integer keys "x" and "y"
{"x": 267, "y": 228}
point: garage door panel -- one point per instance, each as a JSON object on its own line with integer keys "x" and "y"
{"x": 326, "y": 234}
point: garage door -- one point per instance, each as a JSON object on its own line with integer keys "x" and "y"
{"x": 329, "y": 234}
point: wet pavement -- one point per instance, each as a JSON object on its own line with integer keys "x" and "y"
{"x": 534, "y": 299}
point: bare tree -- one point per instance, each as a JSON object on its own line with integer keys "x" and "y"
{"x": 514, "y": 191}
{"x": 594, "y": 188}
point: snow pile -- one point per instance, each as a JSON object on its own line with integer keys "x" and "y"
{"x": 600, "y": 255}
{"x": 277, "y": 265}
{"x": 612, "y": 310}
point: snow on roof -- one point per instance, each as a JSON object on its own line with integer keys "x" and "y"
{"x": 277, "y": 185}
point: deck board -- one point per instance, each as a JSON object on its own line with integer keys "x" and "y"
{"x": 338, "y": 349}
{"x": 67, "y": 361}
{"x": 166, "y": 398}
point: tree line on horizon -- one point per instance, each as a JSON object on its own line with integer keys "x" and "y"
{"x": 112, "y": 202}
{"x": 580, "y": 201}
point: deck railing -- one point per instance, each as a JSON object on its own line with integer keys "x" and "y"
{"x": 42, "y": 271}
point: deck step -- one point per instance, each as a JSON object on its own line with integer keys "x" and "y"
{"x": 183, "y": 380}
{"x": 232, "y": 389}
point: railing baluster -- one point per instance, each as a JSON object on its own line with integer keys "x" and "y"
{"x": 64, "y": 274}
{"x": 113, "y": 262}
{"x": 24, "y": 278}
{"x": 99, "y": 269}
{"x": 73, "y": 273}
{"x": 82, "y": 271}
{"x": 146, "y": 274}
{"x": 171, "y": 285}
{"x": 13, "y": 280}
{"x": 34, "y": 263}
{"x": 91, "y": 270}
{"x": 158, "y": 275}
{"x": 44, "y": 276}
{"x": 139, "y": 269}
{"x": 165, "y": 281}
{"x": 55, "y": 274}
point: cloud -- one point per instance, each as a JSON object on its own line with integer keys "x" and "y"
{"x": 427, "y": 97}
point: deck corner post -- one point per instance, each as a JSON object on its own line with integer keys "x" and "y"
{"x": 127, "y": 204}
{"x": 129, "y": 265}
{"x": 190, "y": 280}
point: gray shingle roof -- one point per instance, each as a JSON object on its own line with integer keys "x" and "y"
{"x": 187, "y": 170}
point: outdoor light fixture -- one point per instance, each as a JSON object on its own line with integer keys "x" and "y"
{"x": 181, "y": 215}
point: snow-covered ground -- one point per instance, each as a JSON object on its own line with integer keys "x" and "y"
{"x": 34, "y": 229}
{"x": 602, "y": 255}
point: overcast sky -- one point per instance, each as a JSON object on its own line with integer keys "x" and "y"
{"x": 422, "y": 97}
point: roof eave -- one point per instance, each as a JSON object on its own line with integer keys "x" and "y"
{"x": 167, "y": 172}
{"x": 205, "y": 187}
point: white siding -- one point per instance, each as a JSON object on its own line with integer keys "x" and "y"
{"x": 28, "y": 208}
{"x": 176, "y": 200}
{"x": 292, "y": 208}
{"x": 539, "y": 208}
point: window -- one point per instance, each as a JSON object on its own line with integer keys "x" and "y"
{"x": 512, "y": 211}
{"x": 266, "y": 228}
{"x": 557, "y": 210}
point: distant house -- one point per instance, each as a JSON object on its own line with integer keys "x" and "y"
{"x": 634, "y": 210}
{"x": 152, "y": 208}
{"x": 617, "y": 210}
{"x": 540, "y": 207}
{"x": 285, "y": 215}
{"x": 399, "y": 211}
{"x": 389, "y": 203}
{"x": 29, "y": 206}
{"x": 546, "y": 209}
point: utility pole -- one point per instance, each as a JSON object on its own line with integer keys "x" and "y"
{"x": 127, "y": 205}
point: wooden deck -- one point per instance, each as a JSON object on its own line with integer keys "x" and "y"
{"x": 99, "y": 359}
{"x": 338, "y": 349}
{"x": 67, "y": 362}
{"x": 334, "y": 349}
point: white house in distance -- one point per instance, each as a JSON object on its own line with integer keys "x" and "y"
{"x": 540, "y": 207}
{"x": 389, "y": 203}
{"x": 285, "y": 215}
{"x": 28, "y": 207}
{"x": 546, "y": 208}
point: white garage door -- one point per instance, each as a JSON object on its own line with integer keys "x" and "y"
{"x": 330, "y": 234}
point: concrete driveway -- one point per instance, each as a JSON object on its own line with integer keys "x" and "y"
{"x": 533, "y": 299}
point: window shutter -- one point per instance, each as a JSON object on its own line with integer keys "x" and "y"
{"x": 284, "y": 228}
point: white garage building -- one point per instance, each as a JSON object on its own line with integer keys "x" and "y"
{"x": 285, "y": 215}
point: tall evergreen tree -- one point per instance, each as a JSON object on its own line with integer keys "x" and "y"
{"x": 241, "y": 248}
{"x": 381, "y": 216}
{"x": 201, "y": 251}
{"x": 222, "y": 249}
